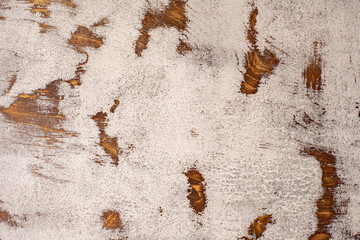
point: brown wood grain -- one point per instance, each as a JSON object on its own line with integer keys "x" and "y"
{"x": 326, "y": 205}
{"x": 196, "y": 195}
{"x": 174, "y": 15}
{"x": 257, "y": 64}
{"x": 258, "y": 227}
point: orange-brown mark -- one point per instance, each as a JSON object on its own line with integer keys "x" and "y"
{"x": 40, "y": 6}
{"x": 326, "y": 206}
{"x": 44, "y": 27}
{"x": 113, "y": 108}
{"x": 11, "y": 84}
{"x": 111, "y": 220}
{"x": 257, "y": 64}
{"x": 76, "y": 81}
{"x": 102, "y": 22}
{"x": 196, "y": 195}
{"x": 312, "y": 72}
{"x": 5, "y": 217}
{"x": 172, "y": 16}
{"x": 109, "y": 144}
{"x": 183, "y": 47}
{"x": 257, "y": 228}
{"x": 39, "y": 109}
{"x": 83, "y": 37}
{"x": 80, "y": 39}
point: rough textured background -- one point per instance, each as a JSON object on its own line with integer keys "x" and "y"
{"x": 158, "y": 119}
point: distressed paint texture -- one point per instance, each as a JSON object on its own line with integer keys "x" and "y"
{"x": 179, "y": 119}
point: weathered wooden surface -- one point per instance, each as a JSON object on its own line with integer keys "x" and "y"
{"x": 179, "y": 119}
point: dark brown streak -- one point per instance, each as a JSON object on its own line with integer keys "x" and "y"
{"x": 173, "y": 16}
{"x": 312, "y": 72}
{"x": 196, "y": 195}
{"x": 257, "y": 64}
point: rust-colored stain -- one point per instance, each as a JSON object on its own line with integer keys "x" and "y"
{"x": 326, "y": 206}
{"x": 38, "y": 109}
{"x": 113, "y": 108}
{"x": 183, "y": 47}
{"x": 111, "y": 220}
{"x": 11, "y": 84}
{"x": 40, "y": 6}
{"x": 258, "y": 227}
{"x": 5, "y": 217}
{"x": 83, "y": 37}
{"x": 257, "y": 64}
{"x": 109, "y": 144}
{"x": 172, "y": 16}
{"x": 312, "y": 72}
{"x": 196, "y": 195}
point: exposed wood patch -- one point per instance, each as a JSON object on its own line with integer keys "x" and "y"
{"x": 326, "y": 205}
{"x": 174, "y": 15}
{"x": 83, "y": 37}
{"x": 109, "y": 144}
{"x": 38, "y": 109}
{"x": 111, "y": 220}
{"x": 258, "y": 227}
{"x": 196, "y": 195}
{"x": 45, "y": 27}
{"x": 257, "y": 64}
{"x": 312, "y": 72}
{"x": 40, "y": 6}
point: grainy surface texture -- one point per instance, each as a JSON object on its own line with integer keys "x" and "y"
{"x": 179, "y": 119}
